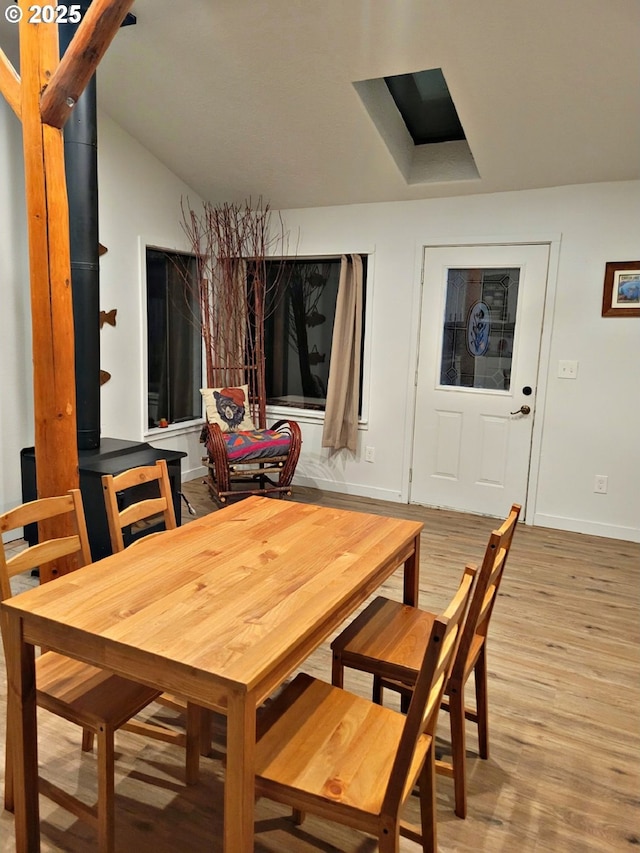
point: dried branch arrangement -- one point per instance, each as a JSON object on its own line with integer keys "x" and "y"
{"x": 232, "y": 243}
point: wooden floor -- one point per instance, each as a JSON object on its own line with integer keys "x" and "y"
{"x": 564, "y": 695}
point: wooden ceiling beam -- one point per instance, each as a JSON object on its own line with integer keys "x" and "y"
{"x": 93, "y": 36}
{"x": 10, "y": 84}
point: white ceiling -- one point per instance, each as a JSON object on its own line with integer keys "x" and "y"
{"x": 242, "y": 98}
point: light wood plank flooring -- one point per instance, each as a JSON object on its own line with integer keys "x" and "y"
{"x": 564, "y": 660}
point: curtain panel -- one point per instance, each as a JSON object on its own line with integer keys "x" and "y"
{"x": 343, "y": 387}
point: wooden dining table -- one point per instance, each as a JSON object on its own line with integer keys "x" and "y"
{"x": 219, "y": 611}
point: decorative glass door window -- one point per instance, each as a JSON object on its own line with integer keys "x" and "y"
{"x": 479, "y": 328}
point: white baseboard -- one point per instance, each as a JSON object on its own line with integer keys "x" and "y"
{"x": 193, "y": 473}
{"x": 314, "y": 483}
{"x": 357, "y": 490}
{"x": 593, "y": 528}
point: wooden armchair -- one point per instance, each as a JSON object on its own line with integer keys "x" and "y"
{"x": 244, "y": 457}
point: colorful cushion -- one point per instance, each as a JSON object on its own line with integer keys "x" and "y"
{"x": 257, "y": 444}
{"x": 228, "y": 407}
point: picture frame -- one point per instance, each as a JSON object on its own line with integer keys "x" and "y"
{"x": 621, "y": 293}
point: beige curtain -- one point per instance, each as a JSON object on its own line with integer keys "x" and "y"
{"x": 343, "y": 388}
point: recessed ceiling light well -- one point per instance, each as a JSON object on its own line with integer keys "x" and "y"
{"x": 417, "y": 119}
{"x": 426, "y": 107}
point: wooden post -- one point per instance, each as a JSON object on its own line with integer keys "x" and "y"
{"x": 48, "y": 229}
{"x": 50, "y": 273}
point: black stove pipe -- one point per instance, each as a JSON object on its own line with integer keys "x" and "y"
{"x": 81, "y": 168}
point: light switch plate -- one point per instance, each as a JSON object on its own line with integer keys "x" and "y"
{"x": 567, "y": 369}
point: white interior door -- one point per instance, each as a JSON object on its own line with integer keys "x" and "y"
{"x": 481, "y": 323}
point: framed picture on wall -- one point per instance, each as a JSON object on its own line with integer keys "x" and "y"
{"x": 621, "y": 295}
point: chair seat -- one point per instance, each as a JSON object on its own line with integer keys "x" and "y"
{"x": 87, "y": 695}
{"x": 387, "y": 639}
{"x": 255, "y": 445}
{"x": 352, "y": 744}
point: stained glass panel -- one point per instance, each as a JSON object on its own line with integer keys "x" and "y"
{"x": 479, "y": 328}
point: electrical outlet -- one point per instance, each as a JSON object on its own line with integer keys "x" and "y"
{"x": 567, "y": 369}
{"x": 600, "y": 484}
{"x": 370, "y": 454}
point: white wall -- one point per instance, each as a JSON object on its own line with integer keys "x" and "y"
{"x": 585, "y": 427}
{"x": 16, "y": 386}
{"x": 139, "y": 203}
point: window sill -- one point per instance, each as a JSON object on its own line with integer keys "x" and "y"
{"x": 302, "y": 416}
{"x": 182, "y": 428}
{"x": 310, "y": 416}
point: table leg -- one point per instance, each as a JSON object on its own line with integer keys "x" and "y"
{"x": 22, "y": 733}
{"x": 411, "y": 592}
{"x": 239, "y": 785}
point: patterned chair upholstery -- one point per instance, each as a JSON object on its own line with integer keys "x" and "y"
{"x": 241, "y": 459}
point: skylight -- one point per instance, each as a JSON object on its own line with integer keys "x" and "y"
{"x": 415, "y": 115}
{"x": 426, "y": 106}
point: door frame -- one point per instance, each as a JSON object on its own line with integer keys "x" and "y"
{"x": 553, "y": 241}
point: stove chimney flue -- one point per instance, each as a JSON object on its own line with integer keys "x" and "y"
{"x": 81, "y": 168}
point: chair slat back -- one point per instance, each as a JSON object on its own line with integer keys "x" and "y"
{"x": 146, "y": 508}
{"x": 422, "y": 714}
{"x": 45, "y": 551}
{"x": 486, "y": 591}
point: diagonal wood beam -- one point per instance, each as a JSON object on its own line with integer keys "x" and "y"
{"x": 10, "y": 83}
{"x": 94, "y": 35}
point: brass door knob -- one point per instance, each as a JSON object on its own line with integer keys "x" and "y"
{"x": 523, "y": 410}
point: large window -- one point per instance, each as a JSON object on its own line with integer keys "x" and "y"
{"x": 300, "y": 312}
{"x": 174, "y": 348}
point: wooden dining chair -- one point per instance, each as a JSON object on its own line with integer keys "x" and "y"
{"x": 152, "y": 486}
{"x": 323, "y": 750}
{"x": 96, "y": 700}
{"x": 387, "y": 640}
{"x": 144, "y": 503}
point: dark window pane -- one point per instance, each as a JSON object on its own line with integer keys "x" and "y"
{"x": 299, "y": 328}
{"x": 174, "y": 353}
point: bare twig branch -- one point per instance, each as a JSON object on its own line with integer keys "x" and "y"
{"x": 232, "y": 244}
